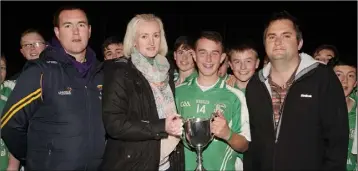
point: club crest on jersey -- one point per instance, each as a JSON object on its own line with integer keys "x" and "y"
{"x": 220, "y": 107}
{"x": 66, "y": 92}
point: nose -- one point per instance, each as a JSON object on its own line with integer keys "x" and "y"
{"x": 344, "y": 80}
{"x": 278, "y": 40}
{"x": 208, "y": 58}
{"x": 151, "y": 41}
{"x": 75, "y": 30}
{"x": 242, "y": 65}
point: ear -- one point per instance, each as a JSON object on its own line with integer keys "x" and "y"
{"x": 257, "y": 63}
{"x": 194, "y": 56}
{"x": 175, "y": 55}
{"x": 222, "y": 58}
{"x": 355, "y": 84}
{"x": 230, "y": 64}
{"x": 300, "y": 44}
{"x": 22, "y": 52}
{"x": 57, "y": 32}
{"x": 89, "y": 31}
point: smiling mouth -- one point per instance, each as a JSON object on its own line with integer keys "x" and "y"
{"x": 209, "y": 66}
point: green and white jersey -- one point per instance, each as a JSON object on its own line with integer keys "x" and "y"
{"x": 352, "y": 158}
{"x": 192, "y": 101}
{"x": 5, "y": 90}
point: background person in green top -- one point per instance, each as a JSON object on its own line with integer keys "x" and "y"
{"x": 5, "y": 90}
{"x": 243, "y": 60}
{"x": 208, "y": 93}
{"x": 347, "y": 74}
{"x": 183, "y": 56}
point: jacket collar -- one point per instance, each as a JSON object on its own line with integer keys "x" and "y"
{"x": 307, "y": 64}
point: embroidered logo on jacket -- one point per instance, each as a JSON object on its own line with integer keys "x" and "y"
{"x": 66, "y": 92}
{"x": 99, "y": 87}
{"x": 306, "y": 95}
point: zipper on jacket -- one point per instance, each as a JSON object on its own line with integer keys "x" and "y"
{"x": 274, "y": 144}
{"x": 89, "y": 120}
{"x": 277, "y": 131}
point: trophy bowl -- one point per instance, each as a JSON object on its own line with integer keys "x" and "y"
{"x": 197, "y": 132}
{"x": 198, "y": 135}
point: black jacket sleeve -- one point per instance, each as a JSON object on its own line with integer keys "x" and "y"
{"x": 334, "y": 119}
{"x": 20, "y": 107}
{"x": 116, "y": 109}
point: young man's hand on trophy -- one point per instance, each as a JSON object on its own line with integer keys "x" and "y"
{"x": 221, "y": 129}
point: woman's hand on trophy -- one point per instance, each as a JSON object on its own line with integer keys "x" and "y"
{"x": 174, "y": 125}
{"x": 219, "y": 127}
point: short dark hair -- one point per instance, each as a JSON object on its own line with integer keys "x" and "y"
{"x": 3, "y": 58}
{"x": 184, "y": 41}
{"x": 326, "y": 46}
{"x": 30, "y": 30}
{"x": 241, "y": 48}
{"x": 56, "y": 17}
{"x": 335, "y": 59}
{"x": 341, "y": 63}
{"x": 211, "y": 35}
{"x": 284, "y": 15}
{"x": 111, "y": 40}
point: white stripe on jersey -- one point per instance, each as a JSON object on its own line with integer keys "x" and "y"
{"x": 245, "y": 123}
{"x": 226, "y": 158}
{"x": 9, "y": 83}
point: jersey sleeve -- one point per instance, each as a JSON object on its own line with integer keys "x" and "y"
{"x": 240, "y": 118}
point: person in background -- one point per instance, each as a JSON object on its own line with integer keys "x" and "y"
{"x": 32, "y": 44}
{"x": 326, "y": 54}
{"x": 139, "y": 111}
{"x": 243, "y": 61}
{"x": 347, "y": 74}
{"x": 183, "y": 56}
{"x": 112, "y": 48}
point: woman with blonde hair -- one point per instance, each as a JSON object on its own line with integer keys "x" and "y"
{"x": 139, "y": 111}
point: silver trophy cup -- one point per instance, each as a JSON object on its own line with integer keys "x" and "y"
{"x": 198, "y": 135}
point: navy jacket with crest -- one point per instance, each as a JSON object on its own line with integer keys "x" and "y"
{"x": 53, "y": 120}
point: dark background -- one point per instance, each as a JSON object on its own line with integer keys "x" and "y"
{"x": 321, "y": 22}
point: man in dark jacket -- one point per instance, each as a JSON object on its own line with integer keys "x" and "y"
{"x": 52, "y": 120}
{"x": 298, "y": 114}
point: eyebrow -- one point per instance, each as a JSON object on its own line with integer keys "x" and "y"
{"x": 80, "y": 22}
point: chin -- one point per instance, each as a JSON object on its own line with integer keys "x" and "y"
{"x": 243, "y": 79}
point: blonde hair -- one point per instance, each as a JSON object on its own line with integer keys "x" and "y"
{"x": 130, "y": 36}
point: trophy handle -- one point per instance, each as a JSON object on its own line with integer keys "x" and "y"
{"x": 213, "y": 115}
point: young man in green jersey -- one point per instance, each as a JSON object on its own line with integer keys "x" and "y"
{"x": 209, "y": 93}
{"x": 183, "y": 56}
{"x": 347, "y": 74}
{"x": 243, "y": 61}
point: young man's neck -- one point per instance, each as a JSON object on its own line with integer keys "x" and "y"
{"x": 184, "y": 74}
{"x": 207, "y": 80}
{"x": 240, "y": 84}
{"x": 350, "y": 103}
{"x": 282, "y": 70}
